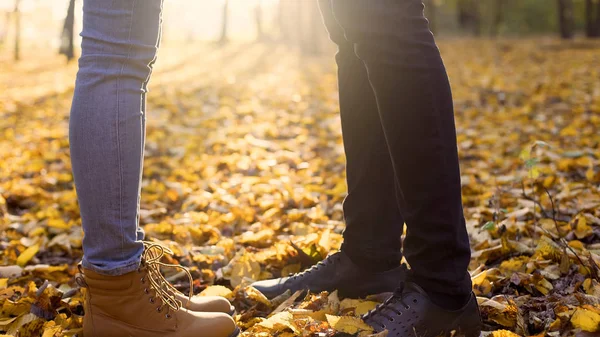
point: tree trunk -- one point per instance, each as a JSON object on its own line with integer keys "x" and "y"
{"x": 260, "y": 35}
{"x": 17, "y": 54}
{"x": 463, "y": 16}
{"x": 589, "y": 18}
{"x": 68, "y": 33}
{"x": 598, "y": 19}
{"x": 498, "y": 17}
{"x": 592, "y": 19}
{"x": 431, "y": 12}
{"x": 17, "y": 13}
{"x": 281, "y": 10}
{"x": 566, "y": 20}
{"x": 476, "y": 14}
{"x": 224, "y": 37}
{"x": 469, "y": 17}
{"x": 298, "y": 20}
{"x": 4, "y": 29}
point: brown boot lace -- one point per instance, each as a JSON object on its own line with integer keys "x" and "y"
{"x": 164, "y": 290}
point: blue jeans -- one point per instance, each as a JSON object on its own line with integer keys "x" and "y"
{"x": 107, "y": 128}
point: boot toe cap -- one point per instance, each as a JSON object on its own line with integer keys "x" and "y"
{"x": 271, "y": 288}
{"x": 214, "y": 324}
{"x": 210, "y": 304}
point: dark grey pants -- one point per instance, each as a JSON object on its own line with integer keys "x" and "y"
{"x": 400, "y": 142}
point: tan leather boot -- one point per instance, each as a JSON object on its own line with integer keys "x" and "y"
{"x": 206, "y": 303}
{"x": 194, "y": 303}
{"x": 138, "y": 304}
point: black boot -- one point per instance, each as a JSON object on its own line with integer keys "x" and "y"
{"x": 410, "y": 312}
{"x": 336, "y": 272}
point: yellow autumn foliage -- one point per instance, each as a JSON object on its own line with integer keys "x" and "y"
{"x": 348, "y": 324}
{"x": 586, "y": 319}
{"x": 244, "y": 180}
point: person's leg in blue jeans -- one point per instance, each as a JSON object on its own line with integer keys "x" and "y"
{"x": 126, "y": 294}
{"x": 120, "y": 42}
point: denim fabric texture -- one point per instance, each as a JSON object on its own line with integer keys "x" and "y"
{"x": 107, "y": 127}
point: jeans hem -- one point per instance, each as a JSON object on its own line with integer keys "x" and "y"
{"x": 113, "y": 271}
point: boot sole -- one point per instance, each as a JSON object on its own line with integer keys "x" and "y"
{"x": 341, "y": 294}
{"x": 114, "y": 328}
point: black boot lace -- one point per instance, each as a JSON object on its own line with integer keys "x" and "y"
{"x": 387, "y": 309}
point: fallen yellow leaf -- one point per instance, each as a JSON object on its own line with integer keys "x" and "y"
{"x": 586, "y": 320}
{"x": 217, "y": 291}
{"x": 504, "y": 333}
{"x": 348, "y": 324}
{"x": 28, "y": 254}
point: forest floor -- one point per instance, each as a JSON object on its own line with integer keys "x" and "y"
{"x": 244, "y": 180}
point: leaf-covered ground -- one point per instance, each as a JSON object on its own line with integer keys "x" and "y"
{"x": 244, "y": 180}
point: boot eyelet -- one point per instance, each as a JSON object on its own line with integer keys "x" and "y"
{"x": 415, "y": 300}
{"x": 168, "y": 316}
{"x": 80, "y": 282}
{"x": 159, "y": 309}
{"x": 407, "y": 307}
{"x": 151, "y": 300}
{"x": 143, "y": 280}
{"x": 146, "y": 291}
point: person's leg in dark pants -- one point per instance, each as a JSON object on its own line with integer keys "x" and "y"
{"x": 415, "y": 104}
{"x": 405, "y": 69}
{"x": 369, "y": 262}
{"x": 373, "y": 221}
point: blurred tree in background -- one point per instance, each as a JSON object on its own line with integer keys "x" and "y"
{"x": 485, "y": 18}
{"x": 258, "y": 16}
{"x": 225, "y": 22}
{"x": 592, "y": 18}
{"x": 4, "y": 28}
{"x": 68, "y": 34}
{"x": 296, "y": 22}
{"x": 17, "y": 15}
{"x": 566, "y": 20}
{"x": 515, "y": 17}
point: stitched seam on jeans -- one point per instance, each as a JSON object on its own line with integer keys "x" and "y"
{"x": 118, "y": 131}
{"x": 145, "y": 88}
